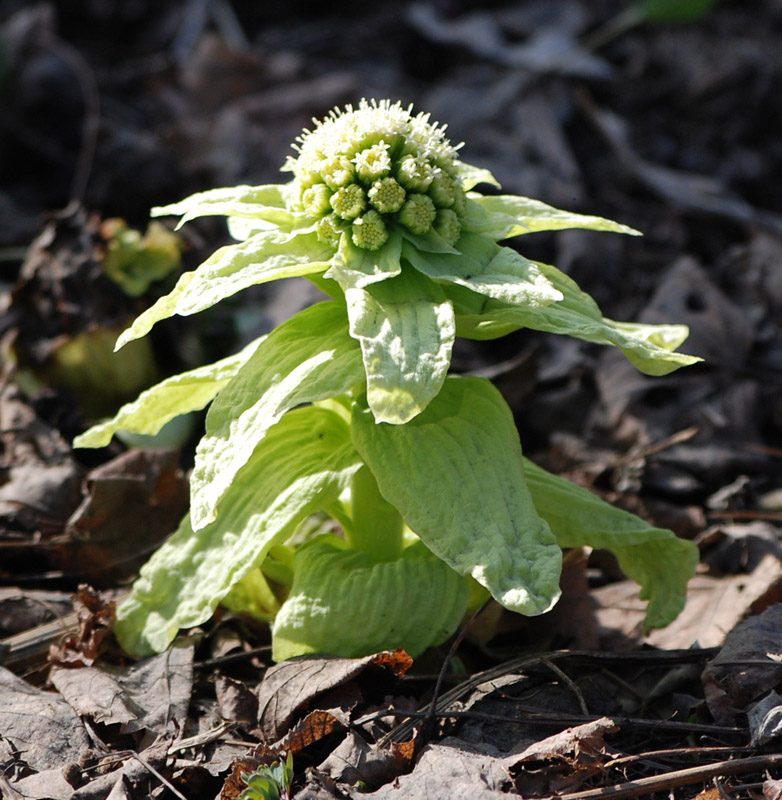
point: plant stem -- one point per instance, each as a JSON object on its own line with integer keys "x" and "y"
{"x": 377, "y": 525}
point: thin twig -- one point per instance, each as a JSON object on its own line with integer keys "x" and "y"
{"x": 167, "y": 783}
{"x": 672, "y": 780}
{"x": 430, "y": 718}
{"x": 402, "y": 732}
{"x": 524, "y": 716}
{"x": 570, "y": 682}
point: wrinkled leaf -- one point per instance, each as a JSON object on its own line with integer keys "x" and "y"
{"x": 344, "y": 603}
{"x": 310, "y": 357}
{"x": 648, "y": 347}
{"x": 302, "y": 466}
{"x": 503, "y": 216}
{"x": 455, "y": 474}
{"x": 265, "y": 256}
{"x": 264, "y": 203}
{"x": 406, "y": 329}
{"x": 354, "y": 267}
{"x": 653, "y": 557}
{"x": 179, "y": 394}
{"x": 488, "y": 269}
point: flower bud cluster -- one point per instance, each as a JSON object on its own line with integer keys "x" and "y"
{"x": 365, "y": 171}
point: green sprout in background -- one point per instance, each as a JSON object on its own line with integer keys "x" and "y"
{"x": 269, "y": 781}
{"x": 347, "y": 409}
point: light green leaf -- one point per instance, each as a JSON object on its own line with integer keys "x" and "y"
{"x": 484, "y": 267}
{"x": 653, "y": 557}
{"x": 455, "y": 474}
{"x": 429, "y": 242}
{"x": 310, "y": 357}
{"x": 263, "y": 203}
{"x": 266, "y": 256}
{"x": 406, "y": 329}
{"x": 353, "y": 267}
{"x": 648, "y": 347}
{"x": 472, "y": 176}
{"x": 305, "y": 462}
{"x": 179, "y": 394}
{"x": 345, "y": 604}
{"x": 252, "y": 595}
{"x": 503, "y": 216}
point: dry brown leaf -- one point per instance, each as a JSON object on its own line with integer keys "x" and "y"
{"x": 355, "y": 760}
{"x": 743, "y": 671}
{"x": 564, "y": 761}
{"x": 237, "y": 702}
{"x": 291, "y": 686}
{"x": 40, "y": 726}
{"x": 133, "y": 502}
{"x": 153, "y": 694}
{"x": 96, "y": 616}
{"x": 314, "y": 727}
{"x": 450, "y": 769}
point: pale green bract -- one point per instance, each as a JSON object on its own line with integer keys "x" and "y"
{"x": 455, "y": 473}
{"x": 419, "y": 598}
{"x": 302, "y": 466}
{"x": 651, "y": 556}
{"x": 347, "y": 409}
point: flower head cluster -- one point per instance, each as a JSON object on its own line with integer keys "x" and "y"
{"x": 370, "y": 169}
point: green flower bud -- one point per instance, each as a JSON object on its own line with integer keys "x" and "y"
{"x": 370, "y": 231}
{"x": 336, "y": 171}
{"x": 442, "y": 190}
{"x": 349, "y": 201}
{"x": 316, "y": 199}
{"x": 387, "y": 196}
{"x": 415, "y": 173}
{"x": 459, "y": 198}
{"x": 382, "y": 159}
{"x": 447, "y": 225}
{"x": 418, "y": 213}
{"x": 373, "y": 163}
{"x": 329, "y": 230}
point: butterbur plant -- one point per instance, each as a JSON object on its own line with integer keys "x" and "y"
{"x": 347, "y": 411}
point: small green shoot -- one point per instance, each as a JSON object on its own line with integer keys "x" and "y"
{"x": 269, "y": 782}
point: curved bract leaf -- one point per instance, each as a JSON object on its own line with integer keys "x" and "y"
{"x": 265, "y": 256}
{"x": 648, "y": 347}
{"x": 310, "y": 357}
{"x": 302, "y": 465}
{"x": 263, "y": 203}
{"x": 503, "y": 216}
{"x": 484, "y": 267}
{"x": 252, "y": 595}
{"x": 653, "y": 557}
{"x": 353, "y": 267}
{"x": 345, "y": 604}
{"x": 179, "y": 394}
{"x": 455, "y": 474}
{"x": 472, "y": 176}
{"x": 406, "y": 329}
